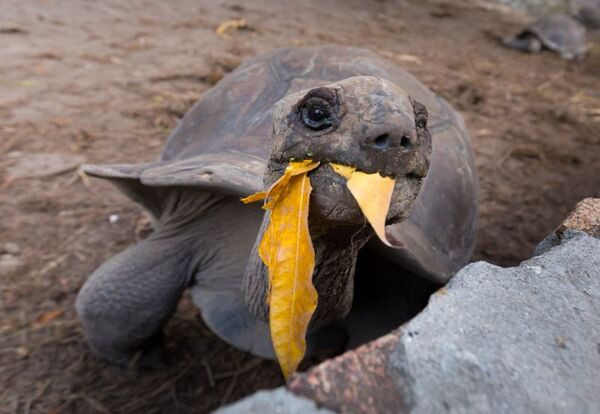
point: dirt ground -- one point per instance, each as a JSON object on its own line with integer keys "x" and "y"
{"x": 107, "y": 80}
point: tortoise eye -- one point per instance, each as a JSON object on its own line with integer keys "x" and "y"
{"x": 315, "y": 114}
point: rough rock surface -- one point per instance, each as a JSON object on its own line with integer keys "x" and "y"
{"x": 358, "y": 381}
{"x": 585, "y": 218}
{"x": 523, "y": 339}
{"x": 494, "y": 340}
{"x": 275, "y": 401}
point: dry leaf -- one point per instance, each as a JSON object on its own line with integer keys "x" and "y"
{"x": 409, "y": 58}
{"x": 372, "y": 192}
{"x": 229, "y": 26}
{"x": 43, "y": 165}
{"x": 272, "y": 194}
{"x": 401, "y": 57}
{"x": 287, "y": 251}
{"x": 47, "y": 317}
{"x": 22, "y": 352}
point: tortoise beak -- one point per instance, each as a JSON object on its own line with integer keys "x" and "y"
{"x": 331, "y": 199}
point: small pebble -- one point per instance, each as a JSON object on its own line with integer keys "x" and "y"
{"x": 8, "y": 262}
{"x": 536, "y": 269}
{"x": 113, "y": 218}
{"x": 11, "y": 248}
{"x": 22, "y": 352}
{"x": 561, "y": 341}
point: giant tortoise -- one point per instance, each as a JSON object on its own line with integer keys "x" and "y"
{"x": 328, "y": 104}
{"x": 559, "y": 33}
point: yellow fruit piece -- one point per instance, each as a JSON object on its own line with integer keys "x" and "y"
{"x": 287, "y": 251}
{"x": 372, "y": 192}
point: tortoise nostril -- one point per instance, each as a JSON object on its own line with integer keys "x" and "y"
{"x": 405, "y": 142}
{"x": 382, "y": 141}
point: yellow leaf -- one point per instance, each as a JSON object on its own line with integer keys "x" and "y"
{"x": 287, "y": 251}
{"x": 229, "y": 26}
{"x": 256, "y": 196}
{"x": 47, "y": 317}
{"x": 372, "y": 192}
{"x": 294, "y": 168}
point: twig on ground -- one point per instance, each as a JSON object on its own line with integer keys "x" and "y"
{"x": 248, "y": 367}
{"x": 209, "y": 373}
{"x": 37, "y": 395}
{"x": 525, "y": 150}
{"x": 95, "y": 404}
{"x": 229, "y": 390}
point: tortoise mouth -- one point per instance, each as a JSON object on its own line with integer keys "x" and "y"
{"x": 332, "y": 201}
{"x": 330, "y": 198}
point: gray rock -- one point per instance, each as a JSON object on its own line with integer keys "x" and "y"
{"x": 524, "y": 339}
{"x": 494, "y": 340}
{"x": 276, "y": 401}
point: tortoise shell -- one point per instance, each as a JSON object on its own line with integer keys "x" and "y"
{"x": 587, "y": 12}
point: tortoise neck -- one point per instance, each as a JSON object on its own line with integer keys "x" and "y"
{"x": 336, "y": 248}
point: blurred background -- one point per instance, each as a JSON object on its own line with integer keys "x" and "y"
{"x": 106, "y": 81}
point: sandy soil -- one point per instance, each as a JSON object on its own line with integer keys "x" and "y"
{"x": 107, "y": 80}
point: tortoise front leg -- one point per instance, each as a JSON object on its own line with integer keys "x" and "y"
{"x": 528, "y": 43}
{"x": 125, "y": 303}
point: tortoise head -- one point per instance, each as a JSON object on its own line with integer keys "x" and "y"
{"x": 363, "y": 122}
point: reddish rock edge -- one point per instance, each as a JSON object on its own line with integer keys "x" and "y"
{"x": 359, "y": 382}
{"x": 356, "y": 381}
{"x": 585, "y": 218}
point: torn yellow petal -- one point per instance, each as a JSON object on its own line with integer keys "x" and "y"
{"x": 372, "y": 192}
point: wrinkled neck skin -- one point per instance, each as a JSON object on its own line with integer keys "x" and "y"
{"x": 336, "y": 248}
